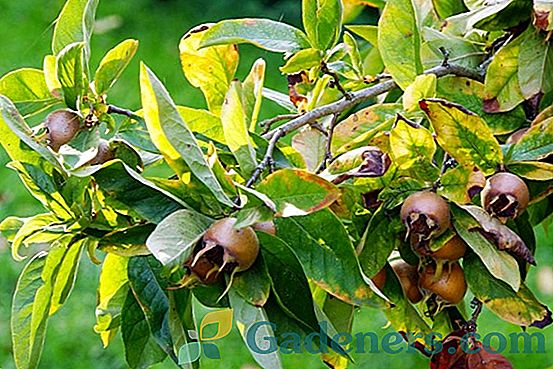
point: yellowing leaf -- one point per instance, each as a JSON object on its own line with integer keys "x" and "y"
{"x": 423, "y": 86}
{"x": 464, "y": 135}
{"x": 533, "y": 170}
{"x": 211, "y": 69}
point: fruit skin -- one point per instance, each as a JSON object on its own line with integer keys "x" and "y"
{"x": 105, "y": 154}
{"x": 409, "y": 279}
{"x": 267, "y": 227}
{"x": 452, "y": 250}
{"x": 240, "y": 246}
{"x": 450, "y": 286}
{"x": 203, "y": 271}
{"x": 380, "y": 279}
{"x": 425, "y": 214}
{"x": 62, "y": 126}
{"x": 505, "y": 195}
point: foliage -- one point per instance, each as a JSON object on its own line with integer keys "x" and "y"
{"x": 334, "y": 193}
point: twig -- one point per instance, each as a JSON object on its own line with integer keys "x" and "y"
{"x": 266, "y": 124}
{"x": 364, "y": 95}
{"x": 267, "y": 159}
{"x": 335, "y": 80}
{"x": 112, "y": 109}
{"x": 328, "y": 148}
{"x": 477, "y": 306}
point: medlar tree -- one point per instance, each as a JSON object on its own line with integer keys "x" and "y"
{"x": 415, "y": 152}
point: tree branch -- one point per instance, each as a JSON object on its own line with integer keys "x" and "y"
{"x": 267, "y": 159}
{"x": 112, "y": 109}
{"x": 364, "y": 95}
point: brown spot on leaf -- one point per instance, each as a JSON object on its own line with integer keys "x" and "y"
{"x": 491, "y": 105}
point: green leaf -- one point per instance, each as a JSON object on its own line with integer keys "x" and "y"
{"x": 175, "y": 237}
{"x": 51, "y": 76}
{"x": 141, "y": 349}
{"x": 235, "y": 126}
{"x": 127, "y": 190}
{"x": 462, "y": 51}
{"x": 74, "y": 24}
{"x": 502, "y": 91}
{"x": 368, "y": 32}
{"x": 203, "y": 123}
{"x": 354, "y": 54}
{"x": 171, "y": 134}
{"x": 311, "y": 144}
{"x": 459, "y": 184}
{"x": 27, "y": 89}
{"x": 113, "y": 64}
{"x": 296, "y": 192}
{"x": 382, "y": 235}
{"x": 502, "y": 15}
{"x": 367, "y": 120}
{"x": 26, "y": 228}
{"x": 396, "y": 191}
{"x": 288, "y": 280}
{"x": 535, "y": 144}
{"x": 10, "y": 226}
{"x": 533, "y": 170}
{"x": 18, "y": 140}
{"x": 399, "y": 41}
{"x": 464, "y": 135}
{"x": 413, "y": 150}
{"x": 149, "y": 290}
{"x": 71, "y": 74}
{"x": 264, "y": 33}
{"x": 322, "y": 21}
{"x": 112, "y": 293}
{"x": 423, "y": 86}
{"x": 500, "y": 264}
{"x": 535, "y": 62}
{"x": 254, "y": 284}
{"x": 211, "y": 69}
{"x": 246, "y": 316}
{"x": 253, "y": 92}
{"x": 520, "y": 308}
{"x": 302, "y": 60}
{"x": 327, "y": 256}
{"x": 448, "y": 8}
{"x": 470, "y": 93}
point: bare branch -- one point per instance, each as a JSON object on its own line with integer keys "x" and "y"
{"x": 364, "y": 95}
{"x": 266, "y": 124}
{"x": 267, "y": 159}
{"x": 328, "y": 148}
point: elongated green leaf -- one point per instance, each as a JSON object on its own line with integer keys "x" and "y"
{"x": 533, "y": 170}
{"x": 461, "y": 183}
{"x": 535, "y": 144}
{"x": 382, "y": 235}
{"x": 17, "y": 138}
{"x": 111, "y": 295}
{"x": 368, "y": 32}
{"x": 296, "y": 192}
{"x": 254, "y": 285}
{"x": 448, "y": 8}
{"x": 29, "y": 227}
{"x": 464, "y": 52}
{"x": 127, "y": 190}
{"x": 502, "y": 92}
{"x": 470, "y": 93}
{"x": 327, "y": 256}
{"x": 235, "y": 126}
{"x": 464, "y": 135}
{"x": 322, "y": 21}
{"x": 51, "y": 76}
{"x": 141, "y": 349}
{"x": 27, "y": 89}
{"x": 113, "y": 64}
{"x": 264, "y": 33}
{"x": 500, "y": 264}
{"x": 175, "y": 237}
{"x": 211, "y": 69}
{"x": 253, "y": 92}
{"x": 203, "y": 123}
{"x": 75, "y": 24}
{"x": 302, "y": 60}
{"x": 535, "y": 62}
{"x": 520, "y": 308}
{"x": 149, "y": 290}
{"x": 399, "y": 41}
{"x": 173, "y": 136}
{"x": 500, "y": 15}
{"x": 246, "y": 316}
{"x": 70, "y": 71}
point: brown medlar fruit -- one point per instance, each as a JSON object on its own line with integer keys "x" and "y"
{"x": 61, "y": 127}
{"x": 450, "y": 285}
{"x": 425, "y": 214}
{"x": 104, "y": 154}
{"x": 505, "y": 196}
{"x": 408, "y": 278}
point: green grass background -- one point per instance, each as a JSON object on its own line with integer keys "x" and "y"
{"x": 25, "y": 32}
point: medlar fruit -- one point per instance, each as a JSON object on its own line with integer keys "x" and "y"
{"x": 380, "y": 279}
{"x": 505, "y": 196}
{"x": 450, "y": 285}
{"x": 61, "y": 127}
{"x": 104, "y": 154}
{"x": 425, "y": 214}
{"x": 409, "y": 279}
{"x": 452, "y": 250}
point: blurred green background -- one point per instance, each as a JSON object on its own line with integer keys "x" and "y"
{"x": 25, "y": 38}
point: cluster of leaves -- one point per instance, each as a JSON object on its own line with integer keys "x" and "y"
{"x": 447, "y": 81}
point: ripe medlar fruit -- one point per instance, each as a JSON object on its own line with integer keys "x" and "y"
{"x": 104, "y": 154}
{"x": 409, "y": 279}
{"x": 452, "y": 250}
{"x": 204, "y": 271}
{"x": 61, "y": 127}
{"x": 449, "y": 285}
{"x": 231, "y": 249}
{"x": 425, "y": 214}
{"x": 505, "y": 196}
